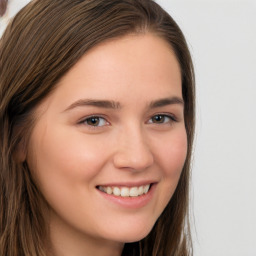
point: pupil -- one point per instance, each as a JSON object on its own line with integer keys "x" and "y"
{"x": 158, "y": 119}
{"x": 93, "y": 121}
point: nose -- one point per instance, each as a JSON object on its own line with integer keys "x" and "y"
{"x": 133, "y": 151}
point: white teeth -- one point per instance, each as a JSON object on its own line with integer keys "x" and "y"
{"x": 109, "y": 190}
{"x": 116, "y": 191}
{"x": 134, "y": 191}
{"x": 101, "y": 188}
{"x": 125, "y": 191}
{"x": 141, "y": 190}
{"x": 145, "y": 189}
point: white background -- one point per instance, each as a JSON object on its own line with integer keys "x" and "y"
{"x": 222, "y": 39}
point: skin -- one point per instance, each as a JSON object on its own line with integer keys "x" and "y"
{"x": 69, "y": 157}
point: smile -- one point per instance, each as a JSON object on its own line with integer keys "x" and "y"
{"x": 125, "y": 191}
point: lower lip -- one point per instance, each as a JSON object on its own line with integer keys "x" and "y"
{"x": 131, "y": 202}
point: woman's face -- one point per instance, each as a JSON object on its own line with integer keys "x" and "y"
{"x": 110, "y": 143}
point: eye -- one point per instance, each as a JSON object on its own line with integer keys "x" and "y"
{"x": 95, "y": 121}
{"x": 162, "y": 119}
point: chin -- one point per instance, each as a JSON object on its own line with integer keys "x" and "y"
{"x": 130, "y": 236}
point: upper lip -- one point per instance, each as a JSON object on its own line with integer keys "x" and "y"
{"x": 127, "y": 184}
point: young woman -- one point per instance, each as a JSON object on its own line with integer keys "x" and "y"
{"x": 97, "y": 123}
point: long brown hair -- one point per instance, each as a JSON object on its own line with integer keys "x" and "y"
{"x": 43, "y": 41}
{"x": 3, "y": 7}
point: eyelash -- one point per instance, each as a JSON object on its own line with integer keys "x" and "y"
{"x": 171, "y": 118}
{"x": 90, "y": 118}
{"x": 85, "y": 121}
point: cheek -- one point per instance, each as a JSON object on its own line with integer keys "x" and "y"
{"x": 62, "y": 160}
{"x": 170, "y": 156}
{"x": 173, "y": 154}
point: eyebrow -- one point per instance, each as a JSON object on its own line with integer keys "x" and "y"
{"x": 109, "y": 104}
{"x": 94, "y": 103}
{"x": 166, "y": 101}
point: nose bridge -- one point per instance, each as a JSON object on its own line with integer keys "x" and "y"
{"x": 133, "y": 149}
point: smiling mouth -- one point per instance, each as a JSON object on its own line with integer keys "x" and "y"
{"x": 125, "y": 191}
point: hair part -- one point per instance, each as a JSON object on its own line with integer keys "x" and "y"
{"x": 43, "y": 41}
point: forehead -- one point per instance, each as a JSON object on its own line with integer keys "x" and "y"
{"x": 142, "y": 65}
{"x": 129, "y": 56}
{"x": 133, "y": 50}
